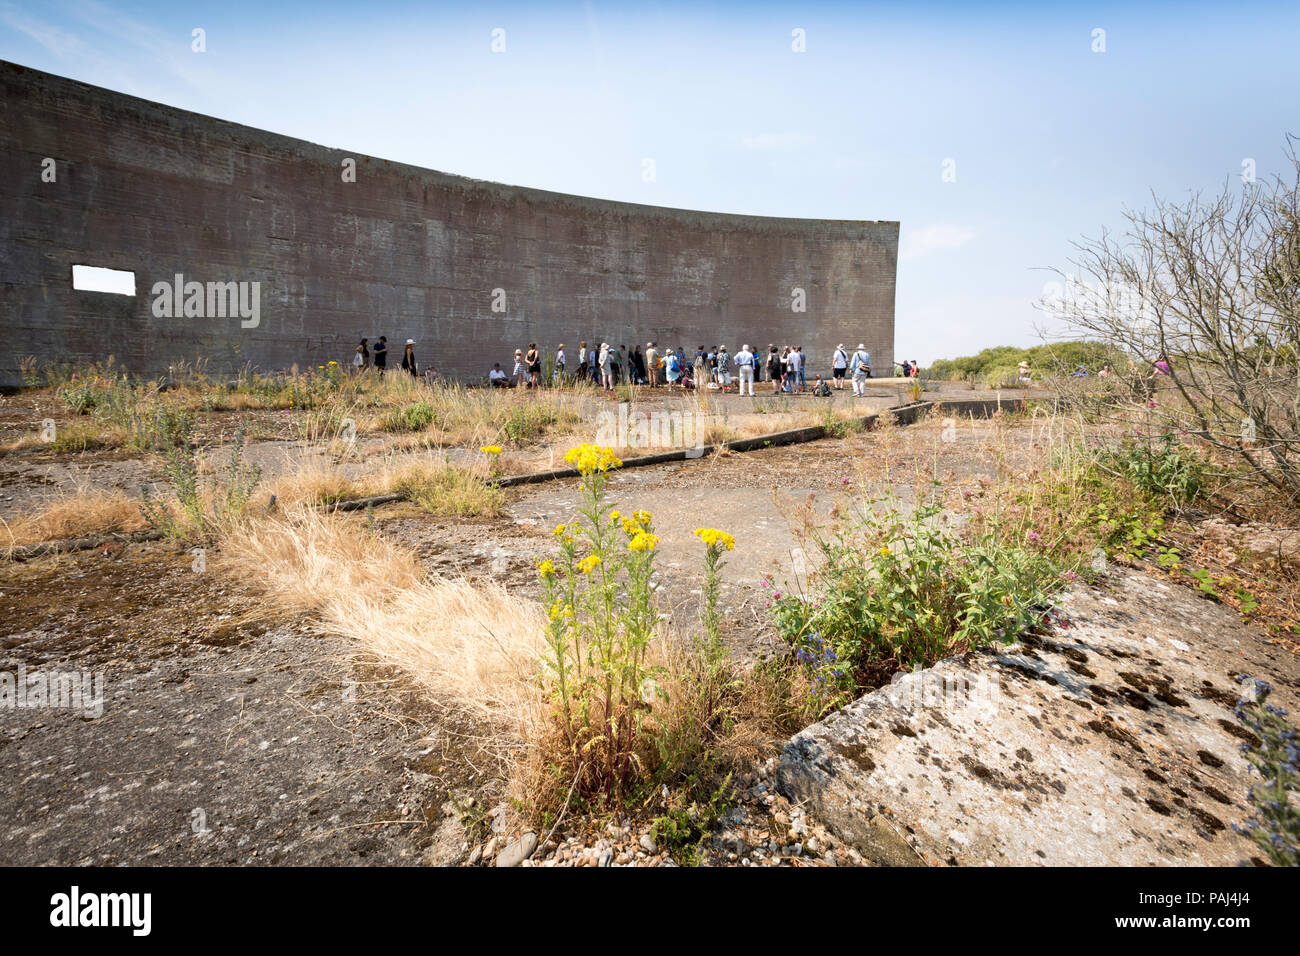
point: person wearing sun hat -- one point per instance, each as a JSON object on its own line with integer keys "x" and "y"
{"x": 861, "y": 365}
{"x": 408, "y": 359}
{"x": 839, "y": 366}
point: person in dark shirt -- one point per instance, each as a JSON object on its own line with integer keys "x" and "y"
{"x": 408, "y": 359}
{"x": 381, "y": 354}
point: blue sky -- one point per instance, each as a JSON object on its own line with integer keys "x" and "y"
{"x": 1050, "y": 140}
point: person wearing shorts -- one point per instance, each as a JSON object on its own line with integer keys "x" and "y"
{"x": 839, "y": 367}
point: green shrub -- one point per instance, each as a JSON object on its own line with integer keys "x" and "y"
{"x": 415, "y": 417}
{"x": 898, "y": 590}
{"x": 446, "y": 491}
{"x": 1164, "y": 468}
{"x": 196, "y": 513}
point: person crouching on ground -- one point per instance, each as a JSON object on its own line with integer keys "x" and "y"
{"x": 497, "y": 377}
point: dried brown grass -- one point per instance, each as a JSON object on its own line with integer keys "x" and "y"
{"x": 471, "y": 644}
{"x": 82, "y": 513}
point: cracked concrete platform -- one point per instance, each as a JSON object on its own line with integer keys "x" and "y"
{"x": 1108, "y": 741}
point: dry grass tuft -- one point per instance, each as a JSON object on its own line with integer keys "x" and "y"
{"x": 82, "y": 513}
{"x": 468, "y": 643}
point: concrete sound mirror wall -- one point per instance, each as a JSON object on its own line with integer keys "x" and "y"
{"x": 402, "y": 251}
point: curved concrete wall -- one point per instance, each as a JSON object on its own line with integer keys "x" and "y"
{"x": 402, "y": 251}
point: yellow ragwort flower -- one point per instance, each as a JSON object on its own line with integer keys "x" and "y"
{"x": 491, "y": 449}
{"x": 644, "y": 541}
{"x": 589, "y": 563}
{"x": 546, "y": 568}
{"x": 642, "y": 516}
{"x": 558, "y": 610}
{"x": 712, "y": 536}
{"x": 886, "y": 551}
{"x": 589, "y": 458}
{"x": 560, "y": 529}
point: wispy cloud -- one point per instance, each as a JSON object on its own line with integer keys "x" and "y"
{"x": 58, "y": 41}
{"x": 944, "y": 235}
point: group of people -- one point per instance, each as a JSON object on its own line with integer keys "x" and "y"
{"x": 365, "y": 356}
{"x": 713, "y": 367}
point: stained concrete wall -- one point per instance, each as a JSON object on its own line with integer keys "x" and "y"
{"x": 402, "y": 251}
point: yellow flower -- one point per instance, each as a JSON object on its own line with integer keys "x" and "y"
{"x": 589, "y": 458}
{"x": 546, "y": 568}
{"x": 614, "y": 516}
{"x": 631, "y": 527}
{"x": 886, "y": 551}
{"x": 644, "y": 541}
{"x": 558, "y": 610}
{"x": 642, "y": 517}
{"x": 589, "y": 563}
{"x": 491, "y": 449}
{"x": 712, "y": 536}
{"x": 560, "y": 529}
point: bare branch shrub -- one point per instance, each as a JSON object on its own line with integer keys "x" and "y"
{"x": 1204, "y": 297}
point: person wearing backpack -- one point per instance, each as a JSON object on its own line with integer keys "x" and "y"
{"x": 861, "y": 365}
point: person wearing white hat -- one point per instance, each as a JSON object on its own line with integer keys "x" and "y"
{"x": 861, "y": 365}
{"x": 606, "y": 369}
{"x": 408, "y": 359}
{"x": 839, "y": 367}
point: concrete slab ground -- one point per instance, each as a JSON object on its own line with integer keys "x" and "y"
{"x": 1108, "y": 741}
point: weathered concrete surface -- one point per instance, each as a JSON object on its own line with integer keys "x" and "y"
{"x": 402, "y": 251}
{"x": 1109, "y": 741}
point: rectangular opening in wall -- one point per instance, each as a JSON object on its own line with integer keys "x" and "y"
{"x": 97, "y": 279}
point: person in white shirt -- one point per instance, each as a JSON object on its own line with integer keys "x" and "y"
{"x": 861, "y": 365}
{"x": 795, "y": 367}
{"x": 498, "y": 377}
{"x": 559, "y": 365}
{"x": 839, "y": 367}
{"x": 745, "y": 367}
